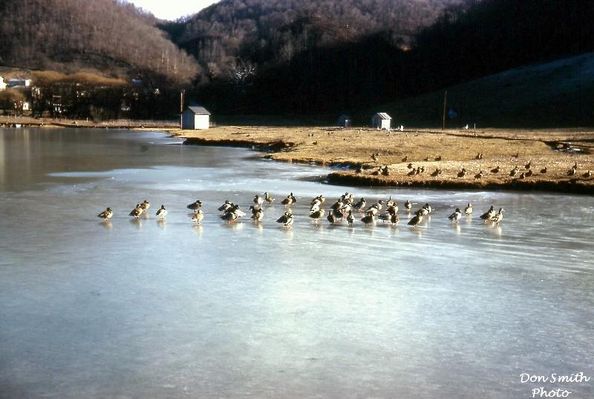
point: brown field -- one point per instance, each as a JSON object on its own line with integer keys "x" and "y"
{"x": 382, "y": 158}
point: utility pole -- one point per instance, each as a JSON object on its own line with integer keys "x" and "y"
{"x": 181, "y": 108}
{"x": 445, "y": 102}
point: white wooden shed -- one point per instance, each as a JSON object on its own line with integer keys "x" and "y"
{"x": 344, "y": 120}
{"x": 381, "y": 120}
{"x": 195, "y": 118}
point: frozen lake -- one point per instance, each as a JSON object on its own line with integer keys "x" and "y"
{"x": 149, "y": 309}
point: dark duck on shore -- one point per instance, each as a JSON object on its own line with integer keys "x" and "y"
{"x": 106, "y": 214}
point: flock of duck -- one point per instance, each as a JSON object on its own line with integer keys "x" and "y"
{"x": 345, "y": 209}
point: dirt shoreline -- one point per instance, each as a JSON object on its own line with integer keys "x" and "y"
{"x": 451, "y": 159}
{"x": 483, "y": 159}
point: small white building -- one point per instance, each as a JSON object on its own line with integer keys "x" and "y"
{"x": 344, "y": 120}
{"x": 2, "y": 84}
{"x": 381, "y": 120}
{"x": 195, "y": 118}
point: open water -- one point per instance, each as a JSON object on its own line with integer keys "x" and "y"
{"x": 149, "y": 309}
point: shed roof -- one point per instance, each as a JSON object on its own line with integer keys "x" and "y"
{"x": 383, "y": 115}
{"x": 198, "y": 110}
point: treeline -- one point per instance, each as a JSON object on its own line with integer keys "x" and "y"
{"x": 107, "y": 35}
{"x": 469, "y": 40}
{"x": 490, "y": 36}
{"x": 88, "y": 95}
{"x": 267, "y": 33}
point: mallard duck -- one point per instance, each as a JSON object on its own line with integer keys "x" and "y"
{"x": 498, "y": 217}
{"x": 258, "y": 200}
{"x": 394, "y": 218}
{"x": 161, "y": 212}
{"x": 369, "y": 218}
{"x": 408, "y": 205}
{"x": 317, "y": 215}
{"x": 416, "y": 220}
{"x": 360, "y": 205}
{"x": 332, "y": 218}
{"x": 290, "y": 200}
{"x": 226, "y": 206}
{"x": 195, "y": 205}
{"x": 136, "y": 212}
{"x": 145, "y": 205}
{"x": 350, "y": 219}
{"x": 197, "y": 215}
{"x": 468, "y": 209}
{"x": 455, "y": 217}
{"x": 268, "y": 198}
{"x": 257, "y": 214}
{"x": 487, "y": 215}
{"x": 106, "y": 214}
{"x": 286, "y": 219}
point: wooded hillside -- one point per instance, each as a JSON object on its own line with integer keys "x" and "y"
{"x": 106, "y": 35}
{"x": 232, "y": 33}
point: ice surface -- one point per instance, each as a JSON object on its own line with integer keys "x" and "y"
{"x": 137, "y": 309}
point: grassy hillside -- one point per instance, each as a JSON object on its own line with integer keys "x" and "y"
{"x": 554, "y": 94}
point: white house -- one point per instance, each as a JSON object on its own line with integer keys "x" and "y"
{"x": 381, "y": 120}
{"x": 195, "y": 118}
{"x": 2, "y": 84}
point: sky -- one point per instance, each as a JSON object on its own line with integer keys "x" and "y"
{"x": 172, "y": 9}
